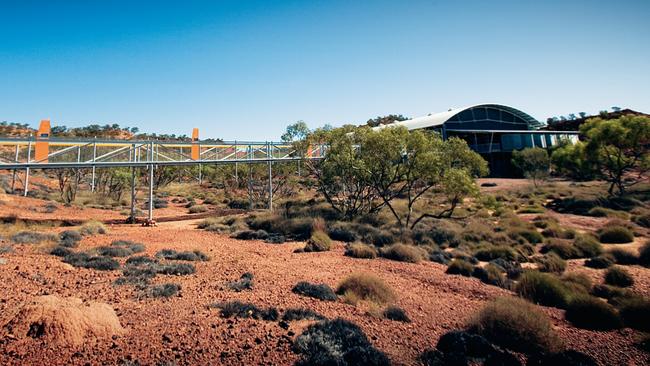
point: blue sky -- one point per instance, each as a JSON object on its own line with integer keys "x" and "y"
{"x": 245, "y": 69}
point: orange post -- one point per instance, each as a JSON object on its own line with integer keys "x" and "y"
{"x": 195, "y": 144}
{"x": 42, "y": 143}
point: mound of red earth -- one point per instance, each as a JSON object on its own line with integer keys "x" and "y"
{"x": 67, "y": 322}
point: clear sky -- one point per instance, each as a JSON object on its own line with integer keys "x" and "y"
{"x": 245, "y": 69}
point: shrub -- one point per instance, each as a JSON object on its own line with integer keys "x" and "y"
{"x": 321, "y": 292}
{"x": 550, "y": 262}
{"x": 30, "y": 237}
{"x": 617, "y": 276}
{"x": 164, "y": 290}
{"x": 336, "y": 342}
{"x": 360, "y": 250}
{"x": 515, "y": 324}
{"x": 193, "y": 256}
{"x": 250, "y": 235}
{"x": 644, "y": 254}
{"x": 496, "y": 251}
{"x": 602, "y": 261}
{"x": 642, "y": 220}
{"x": 397, "y": 314}
{"x": 403, "y": 253}
{"x": 589, "y": 312}
{"x": 178, "y": 269}
{"x": 530, "y": 235}
{"x": 607, "y": 212}
{"x": 132, "y": 246}
{"x": 634, "y": 312}
{"x": 319, "y": 242}
{"x": 342, "y": 232}
{"x": 610, "y": 292}
{"x": 616, "y": 235}
{"x": 622, "y": 256}
{"x": 490, "y": 274}
{"x": 239, "y": 309}
{"x": 198, "y": 209}
{"x": 439, "y": 256}
{"x": 92, "y": 228}
{"x": 557, "y": 232}
{"x": 588, "y": 246}
{"x": 245, "y": 282}
{"x": 301, "y": 314}
{"x": 140, "y": 260}
{"x": 365, "y": 286}
{"x": 460, "y": 267}
{"x": 543, "y": 288}
{"x": 110, "y": 251}
{"x": 512, "y": 269}
{"x": 84, "y": 260}
{"x": 6, "y": 249}
{"x": 577, "y": 282}
{"x": 60, "y": 251}
{"x": 562, "y": 249}
{"x": 69, "y": 238}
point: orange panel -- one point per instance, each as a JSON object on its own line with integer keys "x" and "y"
{"x": 195, "y": 146}
{"x": 42, "y": 144}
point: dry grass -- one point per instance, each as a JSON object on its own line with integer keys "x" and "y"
{"x": 367, "y": 287}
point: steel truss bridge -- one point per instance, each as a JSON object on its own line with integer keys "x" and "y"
{"x": 44, "y": 152}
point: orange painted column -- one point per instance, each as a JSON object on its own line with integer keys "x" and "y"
{"x": 42, "y": 141}
{"x": 195, "y": 144}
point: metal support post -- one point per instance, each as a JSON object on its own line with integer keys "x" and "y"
{"x": 29, "y": 158}
{"x": 13, "y": 179}
{"x": 268, "y": 153}
{"x": 132, "y": 216}
{"x": 150, "y": 192}
{"x": 92, "y": 182}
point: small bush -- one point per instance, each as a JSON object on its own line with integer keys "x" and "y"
{"x": 617, "y": 276}
{"x": 360, "y": 250}
{"x": 512, "y": 269}
{"x": 342, "y": 232}
{"x": 644, "y": 254}
{"x": 543, "y": 288}
{"x": 164, "y": 290}
{"x": 239, "y": 309}
{"x": 321, "y": 292}
{"x": 616, "y": 235}
{"x": 250, "y": 235}
{"x": 589, "y": 312}
{"x": 642, "y": 220}
{"x": 178, "y": 269}
{"x": 245, "y": 282}
{"x": 517, "y": 325}
{"x": 193, "y": 256}
{"x": 319, "y": 242}
{"x": 460, "y": 267}
{"x": 496, "y": 251}
{"x": 634, "y": 312}
{"x": 198, "y": 209}
{"x": 557, "y": 232}
{"x": 31, "y": 237}
{"x": 623, "y": 256}
{"x": 336, "y": 342}
{"x": 403, "y": 253}
{"x": 531, "y": 236}
{"x": 70, "y": 238}
{"x": 439, "y": 256}
{"x": 610, "y": 292}
{"x": 563, "y": 249}
{"x": 607, "y": 212}
{"x": 397, "y": 314}
{"x": 60, "y": 251}
{"x": 130, "y": 245}
{"x": 92, "y": 228}
{"x": 140, "y": 260}
{"x": 601, "y": 261}
{"x": 577, "y": 282}
{"x": 110, "y": 251}
{"x": 365, "y": 286}
{"x": 490, "y": 274}
{"x": 84, "y": 260}
{"x": 301, "y": 314}
{"x": 550, "y": 262}
{"x": 6, "y": 249}
{"x": 588, "y": 246}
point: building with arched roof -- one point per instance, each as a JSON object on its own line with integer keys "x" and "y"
{"x": 492, "y": 130}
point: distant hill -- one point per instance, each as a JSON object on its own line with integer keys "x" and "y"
{"x": 574, "y": 124}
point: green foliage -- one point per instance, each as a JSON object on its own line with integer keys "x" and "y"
{"x": 403, "y": 253}
{"x": 488, "y": 253}
{"x": 360, "y": 250}
{"x": 517, "y": 325}
{"x": 533, "y": 162}
{"x": 490, "y": 274}
{"x": 296, "y": 131}
{"x": 365, "y": 286}
{"x": 319, "y": 242}
{"x": 634, "y": 311}
{"x": 550, "y": 262}
{"x": 460, "y": 267}
{"x": 543, "y": 288}
{"x": 615, "y": 235}
{"x": 590, "y": 312}
{"x": 618, "y": 276}
{"x": 588, "y": 246}
{"x": 571, "y": 160}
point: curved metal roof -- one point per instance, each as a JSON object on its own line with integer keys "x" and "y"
{"x": 438, "y": 119}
